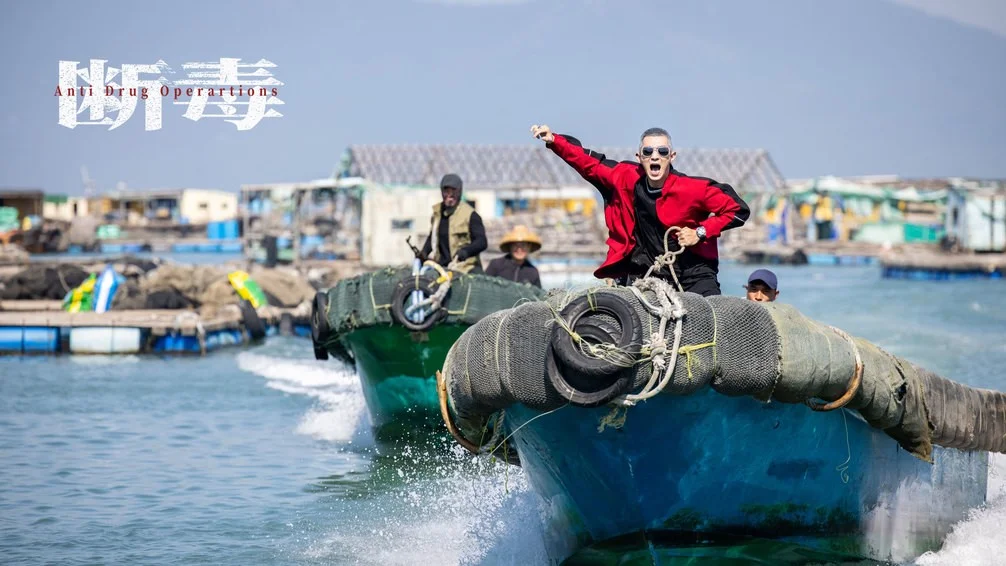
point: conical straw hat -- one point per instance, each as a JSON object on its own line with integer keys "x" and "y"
{"x": 520, "y": 233}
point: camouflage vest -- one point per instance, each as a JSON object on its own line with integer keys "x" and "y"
{"x": 457, "y": 229}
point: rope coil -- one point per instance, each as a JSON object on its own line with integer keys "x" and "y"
{"x": 670, "y": 307}
{"x": 854, "y": 382}
{"x": 435, "y": 300}
{"x": 667, "y": 258}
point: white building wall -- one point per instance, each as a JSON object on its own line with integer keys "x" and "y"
{"x": 203, "y": 206}
{"x": 390, "y": 214}
{"x": 65, "y": 210}
{"x": 985, "y": 218}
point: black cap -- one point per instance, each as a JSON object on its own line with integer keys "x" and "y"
{"x": 451, "y": 180}
{"x": 766, "y": 277}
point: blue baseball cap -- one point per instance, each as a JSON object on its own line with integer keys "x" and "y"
{"x": 766, "y": 277}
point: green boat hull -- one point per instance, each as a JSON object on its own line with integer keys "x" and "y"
{"x": 362, "y": 321}
{"x": 397, "y": 370}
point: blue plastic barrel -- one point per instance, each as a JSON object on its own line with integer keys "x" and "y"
{"x": 29, "y": 339}
{"x": 175, "y": 344}
{"x": 230, "y": 230}
{"x": 821, "y": 259}
{"x": 222, "y": 338}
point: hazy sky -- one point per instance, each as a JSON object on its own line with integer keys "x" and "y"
{"x": 909, "y": 87}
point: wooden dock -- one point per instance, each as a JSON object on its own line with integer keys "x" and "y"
{"x": 934, "y": 266}
{"x": 813, "y": 253}
{"x": 158, "y": 322}
{"x": 30, "y": 306}
{"x": 41, "y": 327}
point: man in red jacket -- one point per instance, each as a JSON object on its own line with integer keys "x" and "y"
{"x": 643, "y": 199}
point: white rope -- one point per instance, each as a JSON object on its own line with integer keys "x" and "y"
{"x": 436, "y": 299}
{"x": 670, "y": 307}
{"x": 667, "y": 259}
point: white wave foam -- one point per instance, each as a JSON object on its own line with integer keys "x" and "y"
{"x": 105, "y": 359}
{"x": 341, "y": 408}
{"x": 469, "y": 513}
{"x": 978, "y": 540}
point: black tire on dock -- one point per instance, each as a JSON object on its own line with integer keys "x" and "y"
{"x": 253, "y": 324}
{"x": 319, "y": 324}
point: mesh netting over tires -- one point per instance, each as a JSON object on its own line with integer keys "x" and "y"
{"x": 368, "y": 299}
{"x": 737, "y": 347}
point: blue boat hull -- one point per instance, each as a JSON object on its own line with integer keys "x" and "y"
{"x": 712, "y": 468}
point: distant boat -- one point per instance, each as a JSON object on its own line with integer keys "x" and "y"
{"x": 396, "y": 325}
{"x": 659, "y": 467}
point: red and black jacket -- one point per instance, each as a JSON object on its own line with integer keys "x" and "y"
{"x": 684, "y": 201}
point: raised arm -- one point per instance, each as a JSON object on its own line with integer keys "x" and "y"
{"x": 729, "y": 208}
{"x": 605, "y": 174}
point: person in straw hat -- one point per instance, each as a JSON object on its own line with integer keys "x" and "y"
{"x": 517, "y": 244}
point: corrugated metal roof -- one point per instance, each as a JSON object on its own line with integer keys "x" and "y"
{"x": 496, "y": 167}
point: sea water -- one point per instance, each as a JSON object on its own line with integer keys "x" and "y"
{"x": 263, "y": 455}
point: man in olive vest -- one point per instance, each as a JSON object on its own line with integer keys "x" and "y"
{"x": 456, "y": 230}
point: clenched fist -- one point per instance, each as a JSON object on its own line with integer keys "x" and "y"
{"x": 542, "y": 132}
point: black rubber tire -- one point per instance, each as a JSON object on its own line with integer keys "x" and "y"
{"x": 253, "y": 324}
{"x": 319, "y": 324}
{"x": 585, "y": 390}
{"x": 427, "y": 286}
{"x": 629, "y": 337}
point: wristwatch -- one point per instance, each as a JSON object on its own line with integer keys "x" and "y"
{"x": 701, "y": 232}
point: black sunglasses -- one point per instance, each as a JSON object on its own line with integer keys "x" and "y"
{"x": 663, "y": 150}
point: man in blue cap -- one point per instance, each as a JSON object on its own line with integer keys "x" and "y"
{"x": 762, "y": 287}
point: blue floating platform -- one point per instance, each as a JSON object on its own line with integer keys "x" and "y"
{"x": 29, "y": 340}
{"x": 921, "y": 274}
{"x": 821, "y": 259}
{"x": 190, "y": 344}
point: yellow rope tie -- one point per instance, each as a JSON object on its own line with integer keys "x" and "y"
{"x": 564, "y": 325}
{"x": 373, "y": 301}
{"x": 439, "y": 269}
{"x": 687, "y": 351}
{"x": 464, "y": 309}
